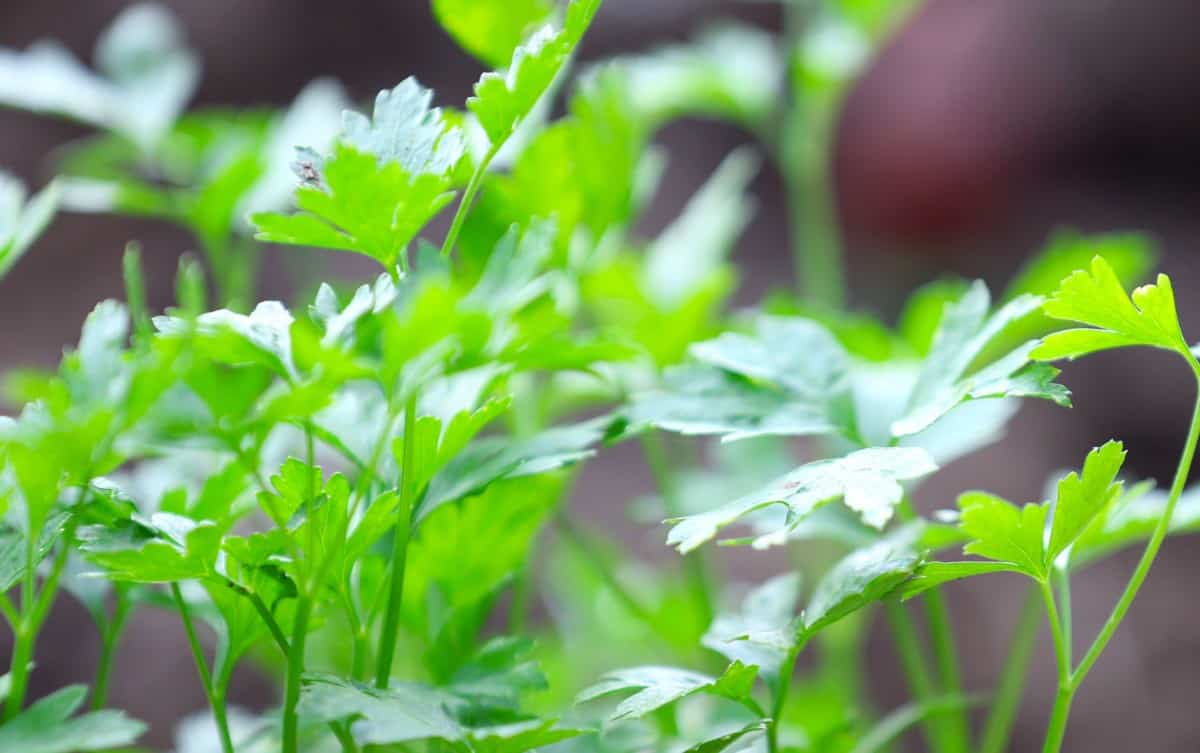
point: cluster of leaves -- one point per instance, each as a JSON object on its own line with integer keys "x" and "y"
{"x": 352, "y": 493}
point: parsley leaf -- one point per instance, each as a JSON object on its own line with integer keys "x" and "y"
{"x": 868, "y": 480}
{"x": 1084, "y": 497}
{"x": 145, "y": 77}
{"x": 659, "y": 686}
{"x": 406, "y": 130}
{"x": 1114, "y": 318}
{"x": 361, "y": 206}
{"x": 502, "y": 102}
{"x": 1030, "y": 539}
{"x": 769, "y": 608}
{"x": 47, "y": 726}
{"x": 728, "y": 71}
{"x": 22, "y": 221}
{"x": 861, "y": 578}
{"x": 791, "y": 377}
{"x": 950, "y": 375}
{"x": 491, "y": 29}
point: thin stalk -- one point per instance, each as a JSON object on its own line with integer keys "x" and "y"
{"x": 1152, "y": 547}
{"x": 1066, "y": 689}
{"x": 18, "y": 672}
{"x": 367, "y": 477}
{"x": 135, "y": 292}
{"x": 1060, "y": 578}
{"x": 391, "y": 620}
{"x": 945, "y": 654}
{"x": 913, "y": 661}
{"x": 110, "y": 639}
{"x": 35, "y": 607}
{"x": 220, "y": 694}
{"x": 464, "y": 206}
{"x": 697, "y": 566}
{"x": 295, "y": 673}
{"x": 816, "y": 242}
{"x": 588, "y": 553}
{"x": 1007, "y": 699}
{"x": 779, "y": 700}
{"x": 202, "y": 669}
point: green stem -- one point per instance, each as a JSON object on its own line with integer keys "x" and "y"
{"x": 945, "y": 653}
{"x": 391, "y": 619}
{"x": 1066, "y": 689}
{"x": 35, "y": 607}
{"x": 464, "y": 206}
{"x": 779, "y": 701}
{"x": 1057, "y": 729}
{"x": 913, "y": 661}
{"x": 816, "y": 242}
{"x": 110, "y": 638}
{"x": 220, "y": 696}
{"x": 586, "y": 551}
{"x": 295, "y": 674}
{"x": 202, "y": 668}
{"x": 698, "y": 568}
{"x": 1152, "y": 547}
{"x": 18, "y": 672}
{"x": 998, "y": 729}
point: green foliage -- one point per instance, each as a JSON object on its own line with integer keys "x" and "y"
{"x": 1030, "y": 539}
{"x": 501, "y": 103}
{"x": 21, "y": 220}
{"x": 659, "y": 686}
{"x": 378, "y": 484}
{"x": 488, "y": 29}
{"x": 1113, "y": 318}
{"x": 48, "y": 727}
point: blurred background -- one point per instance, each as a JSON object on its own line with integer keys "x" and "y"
{"x": 981, "y": 127}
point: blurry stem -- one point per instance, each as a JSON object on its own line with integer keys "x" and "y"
{"x": 295, "y": 674}
{"x": 518, "y": 610}
{"x": 206, "y": 680}
{"x": 468, "y": 198}
{"x": 945, "y": 654}
{"x": 35, "y": 606}
{"x": 805, "y": 152}
{"x": 920, "y": 682}
{"x": 780, "y": 694}
{"x": 135, "y": 293}
{"x": 110, "y": 637}
{"x": 233, "y": 262}
{"x": 697, "y": 566}
{"x": 816, "y": 245}
{"x": 391, "y": 620}
{"x": 367, "y": 477}
{"x": 1007, "y": 698}
{"x": 584, "y": 548}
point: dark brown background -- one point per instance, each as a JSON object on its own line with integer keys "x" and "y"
{"x": 985, "y": 124}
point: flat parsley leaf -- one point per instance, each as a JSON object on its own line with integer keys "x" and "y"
{"x": 491, "y": 29}
{"x": 950, "y": 374}
{"x": 659, "y": 686}
{"x": 1030, "y": 539}
{"x": 790, "y": 378}
{"x": 1114, "y": 319}
{"x": 47, "y": 726}
{"x": 360, "y": 205}
{"x": 145, "y": 77}
{"x": 502, "y": 102}
{"x": 868, "y": 480}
